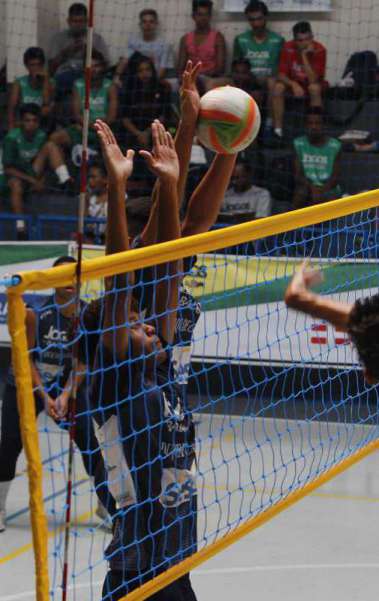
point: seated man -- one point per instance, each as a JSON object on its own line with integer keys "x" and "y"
{"x": 317, "y": 163}
{"x": 26, "y": 153}
{"x": 204, "y": 44}
{"x": 103, "y": 105}
{"x": 67, "y": 49}
{"x": 36, "y": 87}
{"x": 301, "y": 72}
{"x": 148, "y": 44}
{"x": 243, "y": 201}
{"x": 261, "y": 47}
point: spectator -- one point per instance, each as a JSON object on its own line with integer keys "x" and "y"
{"x": 148, "y": 44}
{"x": 243, "y": 78}
{"x": 261, "y": 47}
{"x": 243, "y": 201}
{"x": 97, "y": 200}
{"x": 26, "y": 154}
{"x": 36, "y": 87}
{"x": 203, "y": 44}
{"x": 103, "y": 105}
{"x": 301, "y": 72}
{"x": 146, "y": 99}
{"x": 67, "y": 49}
{"x": 317, "y": 163}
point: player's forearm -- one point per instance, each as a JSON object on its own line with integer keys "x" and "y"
{"x": 79, "y": 377}
{"x": 183, "y": 145}
{"x": 205, "y": 203}
{"x": 117, "y": 239}
{"x": 38, "y": 386}
{"x": 168, "y": 214}
{"x": 317, "y": 306}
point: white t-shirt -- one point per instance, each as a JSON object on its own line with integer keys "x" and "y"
{"x": 254, "y": 200}
{"x": 97, "y": 209}
{"x": 158, "y": 50}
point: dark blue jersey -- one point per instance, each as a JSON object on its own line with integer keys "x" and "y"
{"x": 148, "y": 441}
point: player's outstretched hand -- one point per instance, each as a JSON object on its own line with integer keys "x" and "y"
{"x": 189, "y": 94}
{"x": 162, "y": 160}
{"x": 118, "y": 165}
{"x": 304, "y": 278}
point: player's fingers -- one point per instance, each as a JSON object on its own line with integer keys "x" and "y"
{"x": 170, "y": 140}
{"x": 195, "y": 70}
{"x": 161, "y": 134}
{"x": 102, "y": 131}
{"x": 130, "y": 154}
{"x": 155, "y": 136}
{"x": 147, "y": 156}
{"x": 109, "y": 134}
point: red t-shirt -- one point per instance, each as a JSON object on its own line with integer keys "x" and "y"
{"x": 291, "y": 62}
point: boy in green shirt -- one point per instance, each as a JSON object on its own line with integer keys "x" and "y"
{"x": 34, "y": 88}
{"x": 261, "y": 47}
{"x": 26, "y": 154}
{"x": 103, "y": 105}
{"x": 317, "y": 163}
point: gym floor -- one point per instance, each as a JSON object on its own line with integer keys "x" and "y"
{"x": 324, "y": 548}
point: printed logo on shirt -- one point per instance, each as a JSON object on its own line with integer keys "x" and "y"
{"x": 315, "y": 159}
{"x": 178, "y": 486}
{"x": 56, "y": 335}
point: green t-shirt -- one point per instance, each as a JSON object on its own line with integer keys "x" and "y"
{"x": 20, "y": 152}
{"x": 317, "y": 161}
{"x": 28, "y": 93}
{"x": 264, "y": 56}
{"x": 99, "y": 99}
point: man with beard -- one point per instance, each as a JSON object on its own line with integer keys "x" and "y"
{"x": 317, "y": 163}
{"x": 261, "y": 47}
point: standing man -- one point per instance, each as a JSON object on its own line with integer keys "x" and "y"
{"x": 261, "y": 47}
{"x": 67, "y": 49}
{"x": 49, "y": 332}
{"x": 301, "y": 72}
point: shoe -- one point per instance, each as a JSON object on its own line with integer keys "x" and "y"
{"x": 273, "y": 140}
{"x": 68, "y": 187}
{"x": 2, "y": 521}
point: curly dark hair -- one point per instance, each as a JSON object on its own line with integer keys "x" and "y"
{"x": 363, "y": 329}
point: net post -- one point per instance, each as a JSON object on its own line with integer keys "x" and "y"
{"x": 29, "y": 433}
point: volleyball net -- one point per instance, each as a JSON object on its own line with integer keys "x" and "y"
{"x": 260, "y": 406}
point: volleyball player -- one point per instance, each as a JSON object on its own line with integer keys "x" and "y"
{"x": 201, "y": 214}
{"x": 359, "y": 319}
{"x": 148, "y": 435}
{"x": 49, "y": 333}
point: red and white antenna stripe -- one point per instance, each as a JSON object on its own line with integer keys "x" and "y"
{"x": 79, "y": 243}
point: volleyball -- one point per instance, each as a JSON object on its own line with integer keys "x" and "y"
{"x": 229, "y": 120}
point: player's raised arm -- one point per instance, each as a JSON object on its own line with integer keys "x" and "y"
{"x": 117, "y": 304}
{"x": 300, "y": 297}
{"x": 189, "y": 107}
{"x": 163, "y": 161}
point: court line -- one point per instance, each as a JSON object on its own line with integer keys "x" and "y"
{"x": 220, "y": 571}
{"x": 46, "y": 499}
{"x": 21, "y": 550}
